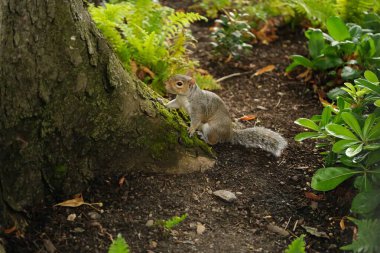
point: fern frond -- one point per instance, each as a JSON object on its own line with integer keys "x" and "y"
{"x": 179, "y": 20}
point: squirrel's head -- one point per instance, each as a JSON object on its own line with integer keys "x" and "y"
{"x": 179, "y": 84}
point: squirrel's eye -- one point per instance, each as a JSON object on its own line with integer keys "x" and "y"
{"x": 179, "y": 83}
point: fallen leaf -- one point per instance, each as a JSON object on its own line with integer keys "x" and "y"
{"x": 75, "y": 202}
{"x": 267, "y": 33}
{"x": 229, "y": 58}
{"x": 122, "y": 181}
{"x": 148, "y": 71}
{"x": 264, "y": 70}
{"x": 313, "y": 196}
{"x": 71, "y": 217}
{"x": 10, "y": 230}
{"x": 315, "y": 232}
{"x": 342, "y": 225}
{"x": 49, "y": 246}
{"x": 306, "y": 75}
{"x": 248, "y": 117}
{"x": 134, "y": 67}
{"x": 200, "y": 228}
{"x": 278, "y": 230}
{"x": 324, "y": 102}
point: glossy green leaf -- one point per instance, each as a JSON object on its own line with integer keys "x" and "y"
{"x": 340, "y": 132}
{"x": 368, "y": 123}
{"x": 368, "y": 84}
{"x": 366, "y": 202}
{"x": 316, "y": 42}
{"x": 305, "y": 135}
{"x": 373, "y": 157}
{"x": 326, "y": 179}
{"x": 342, "y": 145}
{"x": 337, "y": 29}
{"x": 349, "y": 73}
{"x": 370, "y": 76}
{"x": 299, "y": 60}
{"x": 374, "y": 133}
{"x": 354, "y": 150}
{"x": 377, "y": 103}
{"x": 352, "y": 122}
{"x": 326, "y": 115}
{"x": 325, "y": 62}
{"x": 307, "y": 123}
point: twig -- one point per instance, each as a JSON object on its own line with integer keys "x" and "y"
{"x": 287, "y": 224}
{"x": 232, "y": 75}
{"x": 278, "y": 103}
{"x": 295, "y": 225}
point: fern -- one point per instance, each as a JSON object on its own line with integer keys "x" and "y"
{"x": 174, "y": 221}
{"x": 119, "y": 245}
{"x": 368, "y": 238}
{"x": 297, "y": 246}
{"x": 206, "y": 82}
{"x": 353, "y": 10}
{"x": 150, "y": 35}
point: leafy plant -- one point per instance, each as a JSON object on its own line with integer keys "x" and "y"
{"x": 231, "y": 35}
{"x": 368, "y": 236}
{"x": 213, "y": 7}
{"x": 172, "y": 222}
{"x": 349, "y": 132}
{"x": 119, "y": 245}
{"x": 318, "y": 11}
{"x": 151, "y": 40}
{"x": 346, "y": 46}
{"x": 297, "y": 246}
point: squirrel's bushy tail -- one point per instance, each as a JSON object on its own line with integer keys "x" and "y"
{"x": 260, "y": 137}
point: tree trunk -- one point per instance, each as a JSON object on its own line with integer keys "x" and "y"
{"x": 69, "y": 111}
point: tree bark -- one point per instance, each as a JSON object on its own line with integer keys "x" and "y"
{"x": 69, "y": 111}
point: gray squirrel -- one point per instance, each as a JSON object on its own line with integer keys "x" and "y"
{"x": 209, "y": 114}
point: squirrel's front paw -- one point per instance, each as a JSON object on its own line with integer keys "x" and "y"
{"x": 191, "y": 131}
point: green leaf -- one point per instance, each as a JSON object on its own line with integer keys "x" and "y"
{"x": 324, "y": 62}
{"x": 377, "y": 103}
{"x": 316, "y": 42}
{"x": 349, "y": 73}
{"x": 352, "y": 123}
{"x": 368, "y": 124}
{"x": 307, "y": 123}
{"x": 326, "y": 179}
{"x": 174, "y": 221}
{"x": 373, "y": 157}
{"x": 374, "y": 133}
{"x": 368, "y": 84}
{"x": 340, "y": 132}
{"x": 297, "y": 246}
{"x": 368, "y": 237}
{"x": 297, "y": 61}
{"x": 342, "y": 145}
{"x": 365, "y": 203}
{"x": 337, "y": 29}
{"x": 305, "y": 135}
{"x": 119, "y": 245}
{"x": 370, "y": 76}
{"x": 326, "y": 116}
{"x": 354, "y": 150}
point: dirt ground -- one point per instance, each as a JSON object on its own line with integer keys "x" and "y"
{"x": 270, "y": 191}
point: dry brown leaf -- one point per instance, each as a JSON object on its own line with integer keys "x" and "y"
{"x": 148, "y": 71}
{"x": 267, "y": 33}
{"x": 122, "y": 181}
{"x": 134, "y": 67}
{"x": 324, "y": 102}
{"x": 248, "y": 117}
{"x": 313, "y": 196}
{"x": 229, "y": 58}
{"x": 10, "y": 230}
{"x": 75, "y": 202}
{"x": 264, "y": 70}
{"x": 342, "y": 224}
{"x": 306, "y": 75}
{"x": 202, "y": 71}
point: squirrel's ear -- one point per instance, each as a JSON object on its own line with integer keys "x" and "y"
{"x": 192, "y": 81}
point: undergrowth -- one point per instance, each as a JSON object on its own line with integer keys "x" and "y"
{"x": 152, "y": 40}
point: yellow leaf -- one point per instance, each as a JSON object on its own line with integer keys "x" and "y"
{"x": 264, "y": 70}
{"x": 75, "y": 202}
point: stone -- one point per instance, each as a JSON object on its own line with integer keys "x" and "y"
{"x": 225, "y": 195}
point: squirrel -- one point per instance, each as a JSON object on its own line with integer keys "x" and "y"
{"x": 209, "y": 114}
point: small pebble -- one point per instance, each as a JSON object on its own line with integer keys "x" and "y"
{"x": 225, "y": 195}
{"x": 149, "y": 223}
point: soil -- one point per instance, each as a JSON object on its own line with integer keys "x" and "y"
{"x": 269, "y": 190}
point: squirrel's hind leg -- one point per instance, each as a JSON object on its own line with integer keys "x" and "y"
{"x": 209, "y": 135}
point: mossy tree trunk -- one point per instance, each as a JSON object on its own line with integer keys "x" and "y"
{"x": 69, "y": 111}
